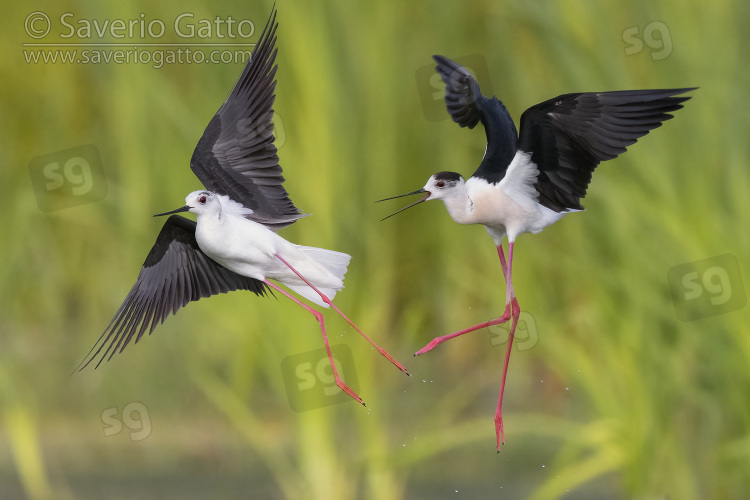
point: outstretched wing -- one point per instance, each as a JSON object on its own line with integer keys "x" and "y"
{"x": 236, "y": 156}
{"x": 175, "y": 273}
{"x": 566, "y": 137}
{"x": 467, "y": 106}
{"x": 461, "y": 92}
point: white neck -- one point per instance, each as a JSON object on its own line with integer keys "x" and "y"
{"x": 459, "y": 205}
{"x": 213, "y": 212}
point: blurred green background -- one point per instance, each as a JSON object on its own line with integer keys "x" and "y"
{"x": 611, "y": 396}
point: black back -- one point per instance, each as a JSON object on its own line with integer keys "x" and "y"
{"x": 467, "y": 107}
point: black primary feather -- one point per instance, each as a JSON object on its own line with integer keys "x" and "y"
{"x": 569, "y": 135}
{"x": 236, "y": 155}
{"x": 467, "y": 106}
{"x": 175, "y": 273}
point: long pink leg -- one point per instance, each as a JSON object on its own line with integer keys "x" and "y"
{"x": 516, "y": 310}
{"x": 505, "y": 271}
{"x": 330, "y": 303}
{"x": 319, "y": 317}
{"x": 512, "y": 310}
{"x": 510, "y": 297}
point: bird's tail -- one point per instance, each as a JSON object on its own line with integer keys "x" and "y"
{"x": 333, "y": 262}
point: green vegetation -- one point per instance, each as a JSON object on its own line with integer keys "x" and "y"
{"x": 618, "y": 399}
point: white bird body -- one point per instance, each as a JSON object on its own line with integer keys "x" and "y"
{"x": 504, "y": 208}
{"x": 251, "y": 249}
{"x": 530, "y": 180}
{"x": 233, "y": 245}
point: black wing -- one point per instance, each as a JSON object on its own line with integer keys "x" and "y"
{"x": 175, "y": 273}
{"x": 467, "y": 106}
{"x": 236, "y": 155}
{"x": 569, "y": 135}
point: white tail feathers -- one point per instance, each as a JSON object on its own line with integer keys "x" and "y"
{"x": 333, "y": 262}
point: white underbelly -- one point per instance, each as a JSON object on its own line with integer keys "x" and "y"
{"x": 502, "y": 215}
{"x": 239, "y": 246}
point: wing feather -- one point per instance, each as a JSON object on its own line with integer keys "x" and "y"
{"x": 236, "y": 155}
{"x": 175, "y": 273}
{"x": 568, "y": 136}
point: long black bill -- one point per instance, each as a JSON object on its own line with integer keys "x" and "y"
{"x": 181, "y": 209}
{"x": 423, "y": 198}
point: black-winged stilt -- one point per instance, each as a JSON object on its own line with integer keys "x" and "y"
{"x": 527, "y": 182}
{"x": 233, "y": 245}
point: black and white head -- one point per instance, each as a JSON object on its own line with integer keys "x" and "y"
{"x": 208, "y": 203}
{"x": 440, "y": 186}
{"x": 203, "y": 202}
{"x": 443, "y": 185}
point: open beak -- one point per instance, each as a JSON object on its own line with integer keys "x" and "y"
{"x": 181, "y": 209}
{"x": 423, "y": 198}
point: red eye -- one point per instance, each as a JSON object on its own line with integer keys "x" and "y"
{"x": 202, "y": 200}
{"x": 440, "y": 184}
